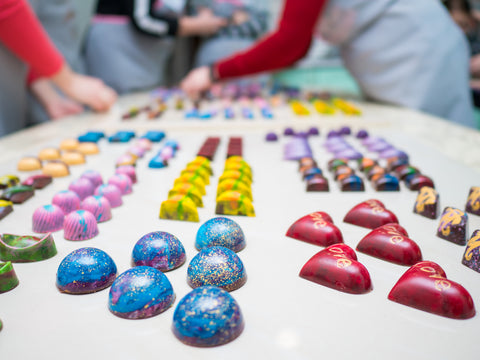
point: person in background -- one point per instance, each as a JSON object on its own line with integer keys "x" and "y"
{"x": 24, "y": 42}
{"x": 130, "y": 41}
{"x": 247, "y": 21}
{"x": 390, "y": 47}
{"x": 464, "y": 16}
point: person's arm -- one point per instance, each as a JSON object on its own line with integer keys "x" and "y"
{"x": 23, "y": 35}
{"x": 289, "y": 43}
{"x": 146, "y": 21}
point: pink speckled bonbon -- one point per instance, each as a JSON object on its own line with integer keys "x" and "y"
{"x": 94, "y": 177}
{"x": 128, "y": 170}
{"x": 47, "y": 218}
{"x": 82, "y": 187}
{"x": 66, "y": 200}
{"x": 122, "y": 182}
{"x": 112, "y": 193}
{"x": 80, "y": 225}
{"x": 98, "y": 206}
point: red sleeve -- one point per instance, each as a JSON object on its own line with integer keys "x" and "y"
{"x": 22, "y": 33}
{"x": 289, "y": 43}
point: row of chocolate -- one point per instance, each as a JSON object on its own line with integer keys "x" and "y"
{"x": 329, "y": 107}
{"x": 86, "y": 202}
{"x": 387, "y": 241}
{"x": 427, "y": 202}
{"x": 189, "y": 188}
{"x": 234, "y": 190}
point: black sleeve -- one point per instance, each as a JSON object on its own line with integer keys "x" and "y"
{"x": 146, "y": 21}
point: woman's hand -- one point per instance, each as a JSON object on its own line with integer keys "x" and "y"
{"x": 196, "y": 82}
{"x": 85, "y": 89}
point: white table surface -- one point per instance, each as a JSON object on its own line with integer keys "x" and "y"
{"x": 286, "y": 317}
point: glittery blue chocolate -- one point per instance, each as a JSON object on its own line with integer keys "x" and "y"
{"x": 160, "y": 250}
{"x": 154, "y": 136}
{"x": 140, "y": 292}
{"x": 217, "y": 266}
{"x": 207, "y": 316}
{"x": 85, "y": 270}
{"x": 157, "y": 163}
{"x": 89, "y": 138}
{"x": 220, "y": 231}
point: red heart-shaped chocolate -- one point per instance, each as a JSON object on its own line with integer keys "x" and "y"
{"x": 425, "y": 287}
{"x": 316, "y": 228}
{"x": 337, "y": 267}
{"x": 370, "y": 214}
{"x": 391, "y": 243}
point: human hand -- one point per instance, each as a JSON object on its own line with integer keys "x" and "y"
{"x": 205, "y": 23}
{"x": 196, "y": 82}
{"x": 475, "y": 65}
{"x": 85, "y": 89}
{"x": 239, "y": 17}
{"x": 54, "y": 104}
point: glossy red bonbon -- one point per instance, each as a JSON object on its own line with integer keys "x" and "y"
{"x": 370, "y": 214}
{"x": 391, "y": 243}
{"x": 316, "y": 228}
{"x": 425, "y": 287}
{"x": 337, "y": 267}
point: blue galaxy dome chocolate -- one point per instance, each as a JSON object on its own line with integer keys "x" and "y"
{"x": 160, "y": 250}
{"x": 86, "y": 270}
{"x": 207, "y": 316}
{"x": 140, "y": 292}
{"x": 216, "y": 266}
{"x": 220, "y": 231}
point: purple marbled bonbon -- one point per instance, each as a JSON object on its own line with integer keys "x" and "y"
{"x": 471, "y": 257}
{"x": 345, "y": 130}
{"x": 333, "y": 133}
{"x": 301, "y": 134}
{"x": 296, "y": 149}
{"x": 94, "y": 177}
{"x": 122, "y": 182}
{"x": 66, "y": 200}
{"x": 362, "y": 134}
{"x": 372, "y": 140}
{"x": 271, "y": 136}
{"x": 379, "y": 146}
{"x": 350, "y": 154}
{"x": 47, "y": 218}
{"x": 82, "y": 187}
{"x": 339, "y": 146}
{"x": 128, "y": 170}
{"x": 392, "y": 152}
{"x": 80, "y": 225}
{"x": 99, "y": 206}
{"x": 288, "y": 131}
{"x": 111, "y": 192}
{"x": 313, "y": 131}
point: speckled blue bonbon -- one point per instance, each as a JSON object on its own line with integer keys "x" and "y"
{"x": 220, "y": 231}
{"x": 160, "y": 250}
{"x": 216, "y": 266}
{"x": 86, "y": 270}
{"x": 140, "y": 292}
{"x": 207, "y": 316}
